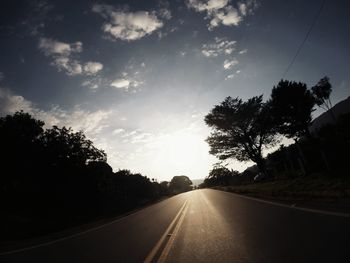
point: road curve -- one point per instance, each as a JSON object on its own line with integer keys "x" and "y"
{"x": 205, "y": 226}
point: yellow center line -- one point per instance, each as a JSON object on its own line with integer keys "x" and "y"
{"x": 154, "y": 251}
{"x": 166, "y": 250}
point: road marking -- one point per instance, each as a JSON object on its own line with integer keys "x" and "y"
{"x": 155, "y": 250}
{"x": 322, "y": 212}
{"x": 166, "y": 250}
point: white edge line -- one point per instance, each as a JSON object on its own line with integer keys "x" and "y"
{"x": 317, "y": 211}
{"x": 80, "y": 233}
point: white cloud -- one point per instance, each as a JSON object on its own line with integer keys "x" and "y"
{"x": 70, "y": 66}
{"x": 10, "y": 103}
{"x": 128, "y": 80}
{"x": 52, "y": 47}
{"x": 128, "y": 25}
{"x": 228, "y": 17}
{"x": 209, "y": 6}
{"x": 231, "y": 76}
{"x": 228, "y": 64}
{"x": 220, "y": 12}
{"x": 118, "y": 131}
{"x": 91, "y": 122}
{"x": 62, "y": 53}
{"x": 243, "y": 51}
{"x": 92, "y": 68}
{"x": 121, "y": 83}
{"x": 219, "y": 47}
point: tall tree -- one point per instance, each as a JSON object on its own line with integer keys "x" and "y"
{"x": 321, "y": 92}
{"x": 291, "y": 107}
{"x": 241, "y": 129}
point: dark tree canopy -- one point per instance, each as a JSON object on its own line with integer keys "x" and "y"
{"x": 180, "y": 184}
{"x": 291, "y": 106}
{"x": 221, "y": 175}
{"x": 64, "y": 145}
{"x": 241, "y": 130}
{"x": 56, "y": 177}
{"x": 321, "y": 92}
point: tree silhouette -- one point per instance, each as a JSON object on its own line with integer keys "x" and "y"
{"x": 57, "y": 178}
{"x": 221, "y": 175}
{"x": 65, "y": 147}
{"x": 180, "y": 184}
{"x": 291, "y": 107}
{"x": 241, "y": 130}
{"x": 321, "y": 92}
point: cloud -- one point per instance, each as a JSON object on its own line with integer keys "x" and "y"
{"x": 231, "y": 76}
{"x": 52, "y": 47}
{"x": 91, "y": 68}
{"x": 164, "y": 13}
{"x": 228, "y": 64}
{"x": 128, "y": 26}
{"x": 10, "y": 103}
{"x": 62, "y": 55}
{"x": 121, "y": 83}
{"x": 219, "y": 47}
{"x": 38, "y": 15}
{"x": 220, "y": 12}
{"x": 243, "y": 51}
{"x": 126, "y": 80}
{"x": 91, "y": 122}
{"x": 118, "y": 131}
{"x": 228, "y": 17}
{"x": 69, "y": 66}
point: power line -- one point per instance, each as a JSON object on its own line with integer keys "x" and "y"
{"x": 305, "y": 38}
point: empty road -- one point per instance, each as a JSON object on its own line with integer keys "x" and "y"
{"x": 205, "y": 226}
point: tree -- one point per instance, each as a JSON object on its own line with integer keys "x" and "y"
{"x": 65, "y": 147}
{"x": 180, "y": 184}
{"x": 291, "y": 107}
{"x": 241, "y": 130}
{"x": 321, "y": 93}
{"x": 19, "y": 135}
{"x": 221, "y": 175}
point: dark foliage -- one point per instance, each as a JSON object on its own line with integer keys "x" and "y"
{"x": 180, "y": 184}
{"x": 221, "y": 176}
{"x": 321, "y": 93}
{"x": 291, "y": 107}
{"x": 241, "y": 130}
{"x": 54, "y": 178}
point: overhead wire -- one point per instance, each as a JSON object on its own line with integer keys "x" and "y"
{"x": 304, "y": 40}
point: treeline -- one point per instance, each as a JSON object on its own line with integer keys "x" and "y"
{"x": 54, "y": 178}
{"x": 242, "y": 130}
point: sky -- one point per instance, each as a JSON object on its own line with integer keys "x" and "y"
{"x": 138, "y": 77}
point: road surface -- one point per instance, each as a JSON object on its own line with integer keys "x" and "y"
{"x": 205, "y": 226}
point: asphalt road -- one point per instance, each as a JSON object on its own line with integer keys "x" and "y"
{"x": 205, "y": 226}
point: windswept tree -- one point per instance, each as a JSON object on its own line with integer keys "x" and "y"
{"x": 291, "y": 106}
{"x": 322, "y": 92}
{"x": 241, "y": 130}
{"x": 322, "y": 95}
